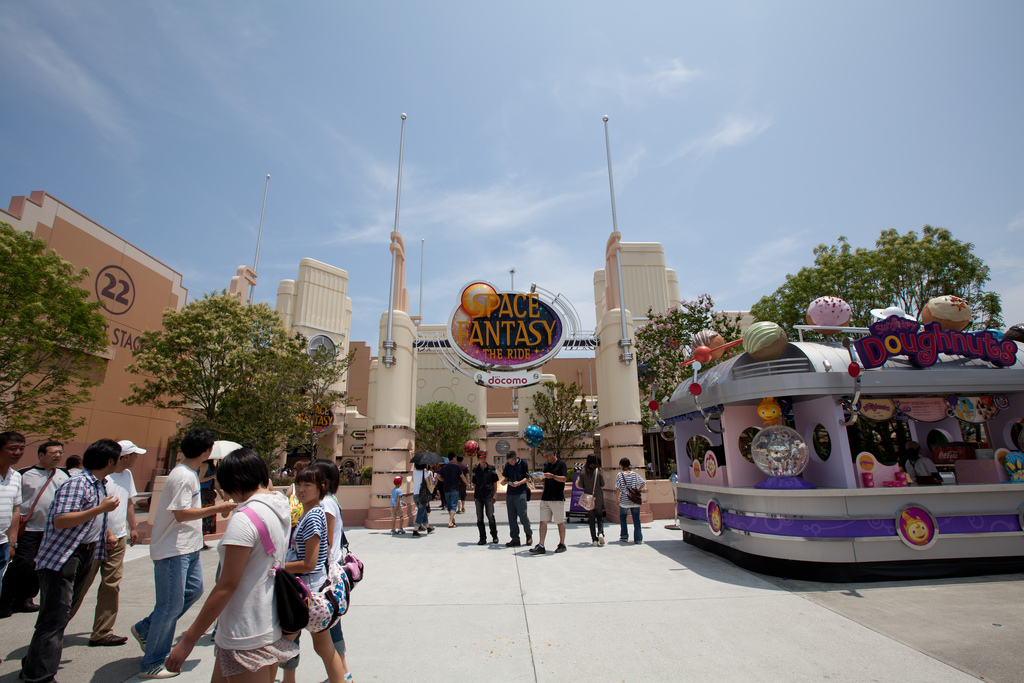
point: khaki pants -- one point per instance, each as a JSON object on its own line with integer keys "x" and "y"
{"x": 111, "y": 570}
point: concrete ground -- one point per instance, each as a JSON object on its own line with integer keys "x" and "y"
{"x": 441, "y": 607}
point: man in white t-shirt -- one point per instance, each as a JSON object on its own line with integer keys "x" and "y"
{"x": 174, "y": 546}
{"x": 38, "y": 484}
{"x": 12, "y": 447}
{"x": 121, "y": 523}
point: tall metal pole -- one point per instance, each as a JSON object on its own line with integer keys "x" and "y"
{"x": 624, "y": 342}
{"x": 512, "y": 278}
{"x": 259, "y": 236}
{"x": 389, "y": 343}
{"x": 422, "y": 241}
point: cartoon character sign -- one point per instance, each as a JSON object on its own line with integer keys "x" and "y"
{"x": 715, "y": 517}
{"x": 770, "y": 411}
{"x": 1014, "y": 464}
{"x": 696, "y": 468}
{"x": 916, "y": 527}
{"x": 710, "y": 464}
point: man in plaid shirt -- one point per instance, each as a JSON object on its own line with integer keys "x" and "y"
{"x": 74, "y": 539}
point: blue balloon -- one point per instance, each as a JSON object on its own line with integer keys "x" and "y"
{"x": 533, "y": 436}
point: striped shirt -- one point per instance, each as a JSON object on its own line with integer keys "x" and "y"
{"x": 74, "y": 495}
{"x": 10, "y": 496}
{"x": 624, "y": 480}
{"x": 313, "y": 523}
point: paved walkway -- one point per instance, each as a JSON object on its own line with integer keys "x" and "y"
{"x": 442, "y": 608}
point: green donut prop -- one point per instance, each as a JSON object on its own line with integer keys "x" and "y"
{"x": 765, "y": 341}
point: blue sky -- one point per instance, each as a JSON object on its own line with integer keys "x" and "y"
{"x": 742, "y": 135}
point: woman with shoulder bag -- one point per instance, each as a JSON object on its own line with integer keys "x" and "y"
{"x": 593, "y": 485}
{"x": 307, "y": 559}
{"x": 248, "y": 645}
{"x": 629, "y": 485}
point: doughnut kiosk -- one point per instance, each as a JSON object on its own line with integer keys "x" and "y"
{"x": 792, "y": 454}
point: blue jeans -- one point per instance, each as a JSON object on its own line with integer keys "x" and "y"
{"x": 421, "y": 514}
{"x": 5, "y": 556}
{"x": 179, "y": 583}
{"x": 516, "y": 504}
{"x": 637, "y": 534}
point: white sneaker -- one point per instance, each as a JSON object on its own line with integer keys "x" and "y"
{"x": 159, "y": 672}
{"x": 600, "y": 539}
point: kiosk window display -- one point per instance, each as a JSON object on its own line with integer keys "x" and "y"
{"x": 808, "y": 442}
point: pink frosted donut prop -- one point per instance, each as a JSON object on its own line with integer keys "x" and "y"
{"x": 829, "y": 311}
{"x": 950, "y": 312}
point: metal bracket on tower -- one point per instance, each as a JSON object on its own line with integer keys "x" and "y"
{"x": 625, "y": 356}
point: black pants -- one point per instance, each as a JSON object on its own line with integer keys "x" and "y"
{"x": 20, "y": 582}
{"x": 487, "y": 505}
{"x": 58, "y": 591}
{"x": 596, "y": 516}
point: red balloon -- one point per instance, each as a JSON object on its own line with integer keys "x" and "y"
{"x": 653, "y": 405}
{"x": 702, "y": 354}
{"x": 695, "y": 389}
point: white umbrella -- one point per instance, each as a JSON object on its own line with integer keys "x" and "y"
{"x": 222, "y": 448}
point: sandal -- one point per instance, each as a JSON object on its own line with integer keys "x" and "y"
{"x": 451, "y": 525}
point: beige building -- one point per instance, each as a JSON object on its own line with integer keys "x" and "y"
{"x": 134, "y": 289}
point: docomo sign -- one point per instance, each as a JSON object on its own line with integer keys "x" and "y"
{"x": 505, "y": 330}
{"x": 896, "y": 336}
{"x": 507, "y": 380}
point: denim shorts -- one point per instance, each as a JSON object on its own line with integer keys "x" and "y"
{"x": 451, "y": 499}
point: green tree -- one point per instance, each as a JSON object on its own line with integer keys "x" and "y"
{"x": 902, "y": 270}
{"x": 666, "y": 341}
{"x": 233, "y": 368}
{"x": 50, "y": 334}
{"x": 562, "y": 413}
{"x": 443, "y": 427}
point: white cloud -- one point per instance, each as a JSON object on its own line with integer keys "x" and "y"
{"x": 734, "y": 131}
{"x": 51, "y": 69}
{"x": 665, "y": 80}
{"x": 1017, "y": 223}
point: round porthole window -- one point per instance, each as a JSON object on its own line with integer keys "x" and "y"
{"x": 746, "y": 436}
{"x": 821, "y": 442}
{"x": 696, "y": 447}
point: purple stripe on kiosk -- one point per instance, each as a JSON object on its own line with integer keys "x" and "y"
{"x": 853, "y": 528}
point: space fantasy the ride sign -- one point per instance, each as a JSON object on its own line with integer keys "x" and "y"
{"x": 922, "y": 344}
{"x": 504, "y": 335}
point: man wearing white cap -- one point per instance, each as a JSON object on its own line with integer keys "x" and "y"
{"x": 121, "y": 522}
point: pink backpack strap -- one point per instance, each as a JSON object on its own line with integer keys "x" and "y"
{"x": 261, "y": 529}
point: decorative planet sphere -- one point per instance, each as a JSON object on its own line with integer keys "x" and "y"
{"x": 702, "y": 354}
{"x": 1015, "y": 333}
{"x": 712, "y": 340}
{"x": 780, "y": 451}
{"x": 479, "y": 299}
{"x": 471, "y": 448}
{"x": 533, "y": 436}
{"x": 653, "y": 405}
{"x": 695, "y": 389}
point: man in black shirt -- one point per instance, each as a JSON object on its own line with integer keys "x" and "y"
{"x": 552, "y": 500}
{"x": 515, "y": 476}
{"x": 451, "y": 475}
{"x": 484, "y": 478}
